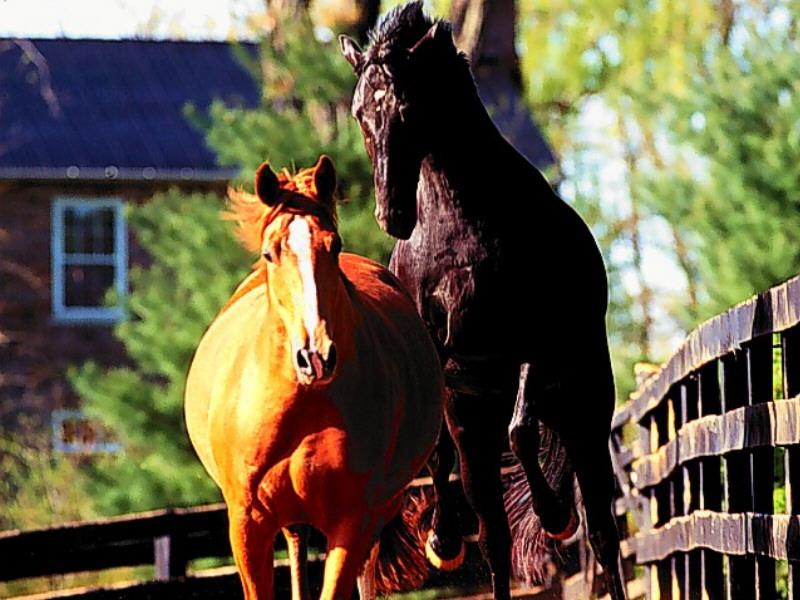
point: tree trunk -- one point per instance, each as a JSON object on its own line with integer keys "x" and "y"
{"x": 645, "y": 298}
{"x": 485, "y": 31}
{"x": 368, "y": 15}
{"x": 287, "y": 6}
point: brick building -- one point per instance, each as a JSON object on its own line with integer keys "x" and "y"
{"x": 87, "y": 126}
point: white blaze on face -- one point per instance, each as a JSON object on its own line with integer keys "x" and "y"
{"x": 299, "y": 242}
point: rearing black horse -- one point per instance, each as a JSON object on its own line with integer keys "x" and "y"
{"x": 513, "y": 289}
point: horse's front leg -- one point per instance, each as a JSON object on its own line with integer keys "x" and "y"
{"x": 445, "y": 546}
{"x": 478, "y": 429}
{"x": 296, "y": 543}
{"x": 348, "y": 548}
{"x": 252, "y": 538}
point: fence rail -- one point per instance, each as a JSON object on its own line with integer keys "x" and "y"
{"x": 706, "y": 453}
{"x": 168, "y": 540}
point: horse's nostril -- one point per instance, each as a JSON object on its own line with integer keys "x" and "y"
{"x": 330, "y": 362}
{"x": 302, "y": 360}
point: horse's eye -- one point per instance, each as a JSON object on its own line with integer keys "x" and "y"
{"x": 268, "y": 256}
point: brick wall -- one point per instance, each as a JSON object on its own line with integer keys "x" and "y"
{"x": 34, "y": 351}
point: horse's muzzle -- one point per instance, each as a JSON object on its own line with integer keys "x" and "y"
{"x": 313, "y": 366}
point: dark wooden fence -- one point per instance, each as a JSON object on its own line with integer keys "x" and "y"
{"x": 707, "y": 458}
{"x": 168, "y": 540}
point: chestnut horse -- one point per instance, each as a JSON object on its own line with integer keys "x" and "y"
{"x": 316, "y": 394}
{"x": 512, "y": 287}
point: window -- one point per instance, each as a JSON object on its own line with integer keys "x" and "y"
{"x": 89, "y": 258}
{"x": 73, "y": 433}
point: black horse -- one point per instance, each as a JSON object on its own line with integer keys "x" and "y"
{"x": 513, "y": 289}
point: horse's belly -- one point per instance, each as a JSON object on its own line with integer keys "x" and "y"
{"x": 325, "y": 488}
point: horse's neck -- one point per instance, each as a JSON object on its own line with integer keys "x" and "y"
{"x": 466, "y": 152}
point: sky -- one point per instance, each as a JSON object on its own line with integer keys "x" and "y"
{"x": 201, "y": 19}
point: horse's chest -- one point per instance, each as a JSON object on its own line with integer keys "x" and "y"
{"x": 457, "y": 287}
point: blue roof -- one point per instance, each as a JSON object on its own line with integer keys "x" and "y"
{"x": 117, "y": 108}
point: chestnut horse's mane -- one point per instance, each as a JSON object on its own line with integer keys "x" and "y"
{"x": 298, "y": 194}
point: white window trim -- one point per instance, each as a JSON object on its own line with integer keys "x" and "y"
{"x": 57, "y": 418}
{"x": 95, "y": 314}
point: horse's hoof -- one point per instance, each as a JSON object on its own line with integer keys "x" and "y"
{"x": 571, "y": 528}
{"x": 433, "y": 554}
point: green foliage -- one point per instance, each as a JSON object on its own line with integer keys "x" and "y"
{"x": 739, "y": 120}
{"x": 35, "y": 486}
{"x": 196, "y": 264}
{"x": 585, "y": 62}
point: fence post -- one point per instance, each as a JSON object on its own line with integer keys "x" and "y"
{"x": 676, "y": 493}
{"x": 759, "y": 353}
{"x": 692, "y": 490}
{"x": 662, "y": 498}
{"x": 710, "y": 485}
{"x": 170, "y": 559}
{"x": 790, "y": 368}
{"x": 738, "y": 475}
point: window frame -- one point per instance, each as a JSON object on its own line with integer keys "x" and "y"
{"x": 62, "y": 313}
{"x": 57, "y": 419}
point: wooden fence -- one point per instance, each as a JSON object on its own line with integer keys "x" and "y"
{"x": 707, "y": 458}
{"x": 170, "y": 539}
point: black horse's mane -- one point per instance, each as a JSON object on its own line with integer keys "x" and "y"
{"x": 400, "y": 29}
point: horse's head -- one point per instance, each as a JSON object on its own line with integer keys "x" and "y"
{"x": 301, "y": 246}
{"x": 396, "y": 106}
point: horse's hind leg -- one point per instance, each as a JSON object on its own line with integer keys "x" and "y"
{"x": 557, "y": 515}
{"x": 296, "y": 543}
{"x": 252, "y": 540}
{"x": 477, "y": 426}
{"x": 445, "y": 546}
{"x": 595, "y": 478}
{"x": 588, "y": 449}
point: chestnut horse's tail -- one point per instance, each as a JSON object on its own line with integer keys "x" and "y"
{"x": 401, "y": 564}
{"x": 531, "y": 547}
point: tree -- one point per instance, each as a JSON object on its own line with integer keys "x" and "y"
{"x": 598, "y": 76}
{"x": 739, "y": 204}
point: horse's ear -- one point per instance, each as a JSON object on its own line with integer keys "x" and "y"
{"x": 324, "y": 179}
{"x": 267, "y": 186}
{"x": 351, "y": 52}
{"x": 439, "y": 33}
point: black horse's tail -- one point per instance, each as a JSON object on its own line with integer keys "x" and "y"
{"x": 401, "y": 564}
{"x": 531, "y": 548}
